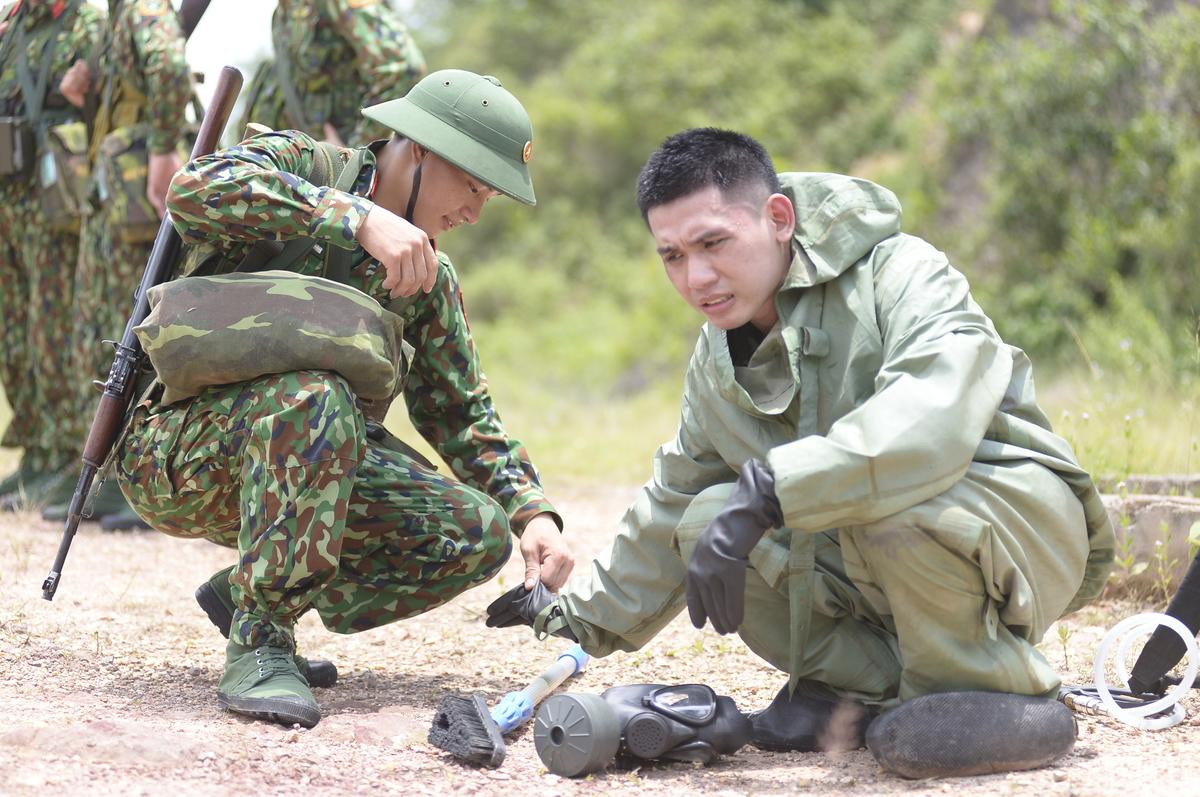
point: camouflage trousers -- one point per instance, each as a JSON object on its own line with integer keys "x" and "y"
{"x": 321, "y": 516}
{"x": 37, "y": 267}
{"x": 106, "y": 279}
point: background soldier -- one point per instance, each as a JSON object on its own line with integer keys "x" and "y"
{"x": 332, "y": 58}
{"x": 39, "y": 40}
{"x": 143, "y": 87}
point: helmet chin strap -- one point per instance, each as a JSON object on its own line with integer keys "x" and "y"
{"x": 416, "y": 189}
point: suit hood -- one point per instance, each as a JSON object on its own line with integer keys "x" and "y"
{"x": 839, "y": 220}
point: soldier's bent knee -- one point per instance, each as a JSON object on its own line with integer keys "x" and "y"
{"x": 496, "y": 543}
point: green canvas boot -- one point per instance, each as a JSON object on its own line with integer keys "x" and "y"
{"x": 106, "y": 501}
{"x": 215, "y": 597}
{"x": 125, "y": 520}
{"x": 13, "y": 481}
{"x": 264, "y": 683}
{"x": 32, "y": 492}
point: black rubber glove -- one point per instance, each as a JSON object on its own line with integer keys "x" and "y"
{"x": 716, "y": 575}
{"x": 519, "y": 606}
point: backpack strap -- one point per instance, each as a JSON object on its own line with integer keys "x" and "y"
{"x": 337, "y": 259}
{"x": 283, "y": 74}
{"x": 327, "y": 170}
{"x": 35, "y": 94}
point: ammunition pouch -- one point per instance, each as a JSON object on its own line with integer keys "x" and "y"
{"x": 16, "y": 148}
{"x": 63, "y": 175}
{"x": 120, "y": 151}
{"x": 121, "y": 172}
{"x": 204, "y": 331}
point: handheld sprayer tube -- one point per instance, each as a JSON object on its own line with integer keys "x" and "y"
{"x": 563, "y": 668}
{"x": 516, "y": 708}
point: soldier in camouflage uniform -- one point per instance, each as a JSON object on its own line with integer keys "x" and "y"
{"x": 323, "y": 48}
{"x": 37, "y": 252}
{"x": 281, "y": 467}
{"x": 144, "y": 87}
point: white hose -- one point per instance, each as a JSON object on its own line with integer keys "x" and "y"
{"x": 1128, "y": 631}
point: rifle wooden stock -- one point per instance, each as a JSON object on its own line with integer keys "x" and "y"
{"x": 122, "y": 376}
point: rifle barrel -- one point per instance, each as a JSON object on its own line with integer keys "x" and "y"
{"x": 122, "y": 376}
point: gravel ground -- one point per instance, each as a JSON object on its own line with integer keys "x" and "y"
{"x": 111, "y": 689}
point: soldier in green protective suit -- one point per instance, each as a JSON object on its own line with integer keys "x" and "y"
{"x": 143, "y": 87}
{"x": 39, "y": 40}
{"x": 333, "y": 57}
{"x": 862, "y": 485}
{"x": 326, "y": 512}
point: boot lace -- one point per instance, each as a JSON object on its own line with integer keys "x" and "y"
{"x": 274, "y": 661}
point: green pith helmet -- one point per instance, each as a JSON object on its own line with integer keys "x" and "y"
{"x": 470, "y": 121}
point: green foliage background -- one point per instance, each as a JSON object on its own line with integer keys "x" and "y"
{"x": 1050, "y": 147}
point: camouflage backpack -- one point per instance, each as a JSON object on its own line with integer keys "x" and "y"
{"x": 221, "y": 329}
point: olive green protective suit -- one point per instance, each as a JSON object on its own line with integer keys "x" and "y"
{"x": 936, "y": 526}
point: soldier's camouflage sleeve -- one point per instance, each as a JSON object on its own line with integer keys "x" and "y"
{"x": 166, "y": 77}
{"x": 251, "y": 192}
{"x": 387, "y": 55}
{"x": 449, "y": 404}
{"x": 88, "y": 30}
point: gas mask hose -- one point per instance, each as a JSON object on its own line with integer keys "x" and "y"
{"x": 1140, "y": 715}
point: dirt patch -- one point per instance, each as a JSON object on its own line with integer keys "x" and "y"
{"x": 111, "y": 689}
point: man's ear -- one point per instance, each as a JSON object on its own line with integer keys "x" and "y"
{"x": 782, "y": 216}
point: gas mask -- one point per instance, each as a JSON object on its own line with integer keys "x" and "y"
{"x": 580, "y": 733}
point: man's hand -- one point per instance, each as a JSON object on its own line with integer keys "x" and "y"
{"x": 76, "y": 83}
{"x": 547, "y": 557}
{"x": 161, "y": 169}
{"x": 331, "y": 135}
{"x": 716, "y": 574}
{"x": 403, "y": 249}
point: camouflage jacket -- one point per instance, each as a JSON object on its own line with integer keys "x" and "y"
{"x": 239, "y": 195}
{"x": 342, "y": 55}
{"x": 78, "y": 38}
{"x": 145, "y": 52}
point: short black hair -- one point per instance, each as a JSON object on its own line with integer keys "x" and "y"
{"x": 695, "y": 159}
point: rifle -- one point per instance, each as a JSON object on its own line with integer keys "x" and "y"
{"x": 189, "y": 15}
{"x": 109, "y": 420}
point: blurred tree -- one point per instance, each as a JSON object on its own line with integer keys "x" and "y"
{"x": 1050, "y": 146}
{"x": 1082, "y": 141}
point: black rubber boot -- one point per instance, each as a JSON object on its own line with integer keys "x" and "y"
{"x": 13, "y": 481}
{"x": 216, "y": 599}
{"x": 811, "y": 719}
{"x": 971, "y": 733}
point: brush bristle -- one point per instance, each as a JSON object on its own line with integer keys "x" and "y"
{"x": 463, "y": 727}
